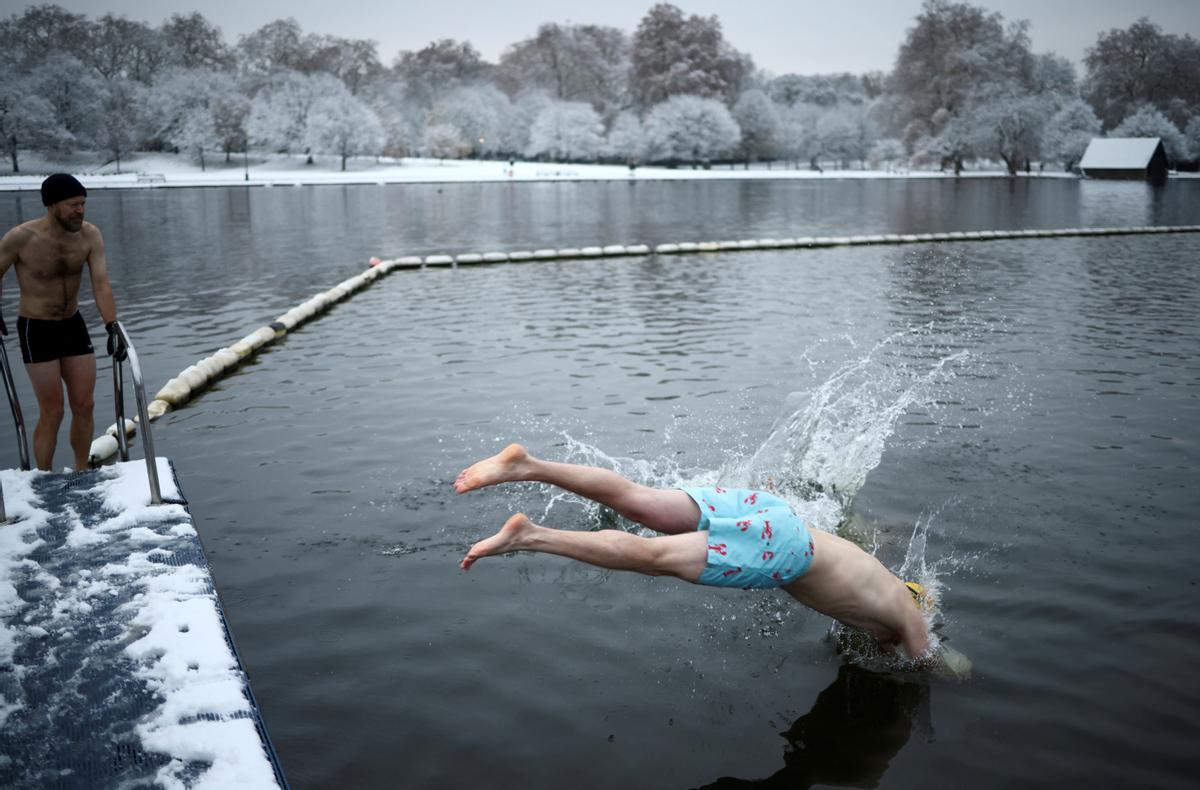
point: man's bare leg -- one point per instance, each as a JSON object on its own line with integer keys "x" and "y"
{"x": 46, "y": 378}
{"x": 79, "y": 374}
{"x": 682, "y": 556}
{"x": 663, "y": 510}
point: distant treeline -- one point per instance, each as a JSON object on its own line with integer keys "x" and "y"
{"x": 965, "y": 86}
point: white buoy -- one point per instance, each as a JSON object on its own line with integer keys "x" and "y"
{"x": 468, "y": 257}
{"x": 544, "y": 255}
{"x": 667, "y": 249}
{"x": 708, "y": 246}
{"x": 130, "y": 428}
{"x": 591, "y": 252}
{"x": 102, "y": 448}
{"x": 520, "y": 255}
{"x": 688, "y": 246}
{"x": 748, "y": 244}
{"x": 157, "y": 408}
{"x": 173, "y": 392}
{"x": 438, "y": 260}
{"x": 637, "y": 249}
{"x": 569, "y": 252}
{"x": 615, "y": 249}
{"x": 495, "y": 257}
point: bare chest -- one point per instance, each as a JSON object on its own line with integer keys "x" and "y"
{"x": 52, "y": 259}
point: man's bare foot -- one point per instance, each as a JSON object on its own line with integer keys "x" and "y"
{"x": 509, "y": 538}
{"x": 503, "y": 467}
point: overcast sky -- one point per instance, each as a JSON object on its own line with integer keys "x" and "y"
{"x": 781, "y": 35}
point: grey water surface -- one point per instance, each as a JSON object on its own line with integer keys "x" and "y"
{"x": 1014, "y": 422}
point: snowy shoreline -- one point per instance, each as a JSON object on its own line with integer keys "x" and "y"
{"x": 163, "y": 170}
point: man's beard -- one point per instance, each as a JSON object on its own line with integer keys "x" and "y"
{"x": 70, "y": 225}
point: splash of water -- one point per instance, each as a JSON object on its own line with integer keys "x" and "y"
{"x": 819, "y": 453}
{"x": 829, "y": 439}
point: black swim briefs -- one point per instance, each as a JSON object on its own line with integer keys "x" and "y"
{"x": 45, "y": 340}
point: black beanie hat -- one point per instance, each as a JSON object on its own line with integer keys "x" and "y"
{"x": 61, "y": 186}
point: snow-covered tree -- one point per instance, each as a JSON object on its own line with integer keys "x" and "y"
{"x": 438, "y": 68}
{"x": 1142, "y": 65}
{"x": 279, "y": 116}
{"x": 525, "y": 110}
{"x": 354, "y": 61}
{"x": 39, "y": 30}
{"x": 822, "y": 90}
{"x": 116, "y": 135}
{"x": 952, "y": 53}
{"x": 27, "y": 120}
{"x": 1149, "y": 122}
{"x": 837, "y": 138}
{"x": 480, "y": 113}
{"x": 953, "y": 145}
{"x": 403, "y": 120}
{"x": 1191, "y": 136}
{"x": 886, "y": 154}
{"x": 566, "y": 131}
{"x": 796, "y": 138}
{"x": 181, "y": 109}
{"x": 277, "y": 46}
{"x": 626, "y": 140}
{"x": 230, "y": 112}
{"x": 586, "y": 63}
{"x": 122, "y": 49}
{"x": 444, "y": 141}
{"x": 759, "y": 122}
{"x": 193, "y": 42}
{"x": 690, "y": 129}
{"x": 1054, "y": 75}
{"x": 1009, "y": 126}
{"x": 677, "y": 55}
{"x": 1068, "y": 133}
{"x": 75, "y": 93}
{"x": 341, "y": 124}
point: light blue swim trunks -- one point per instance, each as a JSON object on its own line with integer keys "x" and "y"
{"x": 755, "y": 539}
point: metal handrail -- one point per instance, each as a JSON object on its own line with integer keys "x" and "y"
{"x": 14, "y": 403}
{"x": 139, "y": 391}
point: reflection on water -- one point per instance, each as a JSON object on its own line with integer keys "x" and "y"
{"x": 855, "y": 729}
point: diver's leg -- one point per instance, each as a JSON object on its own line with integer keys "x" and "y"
{"x": 662, "y": 510}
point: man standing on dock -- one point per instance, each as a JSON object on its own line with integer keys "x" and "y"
{"x": 50, "y": 254}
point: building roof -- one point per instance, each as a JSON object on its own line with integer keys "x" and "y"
{"x": 1119, "y": 153}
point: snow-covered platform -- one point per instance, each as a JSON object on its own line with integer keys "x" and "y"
{"x": 117, "y": 668}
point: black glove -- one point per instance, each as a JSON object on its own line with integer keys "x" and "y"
{"x": 3, "y": 326}
{"x": 116, "y": 346}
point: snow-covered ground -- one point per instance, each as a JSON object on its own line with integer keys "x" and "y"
{"x": 108, "y": 620}
{"x": 157, "y": 170}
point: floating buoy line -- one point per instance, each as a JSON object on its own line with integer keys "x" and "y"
{"x": 197, "y": 377}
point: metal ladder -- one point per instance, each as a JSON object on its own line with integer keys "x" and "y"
{"x": 139, "y": 390}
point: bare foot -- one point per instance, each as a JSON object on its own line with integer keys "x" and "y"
{"x": 509, "y": 538}
{"x": 503, "y": 467}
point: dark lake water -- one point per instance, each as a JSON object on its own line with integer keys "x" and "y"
{"x": 1014, "y": 422}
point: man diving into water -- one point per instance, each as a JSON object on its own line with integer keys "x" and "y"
{"x": 49, "y": 254}
{"x": 714, "y": 536}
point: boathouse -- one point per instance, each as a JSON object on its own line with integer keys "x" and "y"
{"x": 1130, "y": 158}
